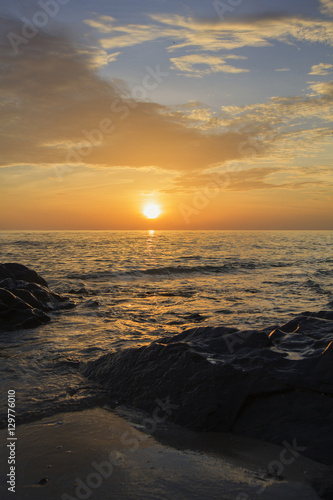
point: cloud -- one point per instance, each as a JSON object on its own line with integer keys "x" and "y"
{"x": 282, "y": 69}
{"x": 283, "y": 111}
{"x": 230, "y": 179}
{"x": 323, "y": 88}
{"x": 98, "y": 57}
{"x": 284, "y": 128}
{"x": 188, "y": 64}
{"x": 251, "y": 31}
{"x": 192, "y": 114}
{"x": 104, "y": 24}
{"x": 256, "y": 178}
{"x": 124, "y": 35}
{"x": 321, "y": 69}
{"x": 55, "y": 109}
{"x": 326, "y": 7}
{"x": 214, "y": 35}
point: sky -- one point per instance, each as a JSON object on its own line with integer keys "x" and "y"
{"x": 219, "y": 112}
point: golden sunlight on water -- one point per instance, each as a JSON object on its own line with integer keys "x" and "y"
{"x": 134, "y": 287}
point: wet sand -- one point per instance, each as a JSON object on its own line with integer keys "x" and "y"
{"x": 101, "y": 455}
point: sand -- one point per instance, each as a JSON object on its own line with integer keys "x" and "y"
{"x": 101, "y": 455}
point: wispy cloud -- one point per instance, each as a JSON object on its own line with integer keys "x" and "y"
{"x": 215, "y": 35}
{"x": 321, "y": 69}
{"x": 260, "y": 178}
{"x": 104, "y": 24}
{"x": 188, "y": 64}
{"x": 286, "y": 127}
{"x": 323, "y": 88}
{"x": 281, "y": 111}
{"x": 98, "y": 57}
{"x": 326, "y": 7}
{"x": 125, "y": 35}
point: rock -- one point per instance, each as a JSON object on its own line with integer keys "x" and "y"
{"x": 43, "y": 481}
{"x": 272, "y": 385}
{"x": 15, "y": 313}
{"x": 25, "y": 298}
{"x": 20, "y": 272}
{"x": 194, "y": 318}
{"x": 324, "y": 485}
{"x": 80, "y": 291}
{"x": 5, "y": 273}
{"x": 91, "y": 303}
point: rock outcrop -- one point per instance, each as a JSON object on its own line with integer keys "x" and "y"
{"x": 273, "y": 385}
{"x": 25, "y": 298}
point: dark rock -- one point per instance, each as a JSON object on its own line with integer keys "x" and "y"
{"x": 15, "y": 313}
{"x": 201, "y": 390}
{"x": 38, "y": 295}
{"x": 91, "y": 303}
{"x": 275, "y": 386}
{"x": 5, "y": 273}
{"x": 7, "y": 282}
{"x": 324, "y": 485}
{"x": 43, "y": 481}
{"x": 80, "y": 291}
{"x": 194, "y": 318}
{"x": 25, "y": 298}
{"x": 299, "y": 417}
{"x": 20, "y": 272}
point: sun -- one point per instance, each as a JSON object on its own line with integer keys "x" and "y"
{"x": 151, "y": 210}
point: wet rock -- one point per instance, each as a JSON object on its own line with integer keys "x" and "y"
{"x": 272, "y": 385}
{"x": 15, "y": 313}
{"x": 194, "y": 318}
{"x": 91, "y": 303}
{"x": 80, "y": 291}
{"x": 20, "y": 272}
{"x": 25, "y": 298}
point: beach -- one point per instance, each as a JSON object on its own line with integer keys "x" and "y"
{"x": 101, "y": 455}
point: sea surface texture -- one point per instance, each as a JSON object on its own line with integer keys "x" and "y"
{"x": 134, "y": 287}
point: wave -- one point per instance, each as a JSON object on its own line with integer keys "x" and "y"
{"x": 178, "y": 270}
{"x": 317, "y": 288}
{"x": 167, "y": 270}
{"x": 27, "y": 243}
{"x": 206, "y": 269}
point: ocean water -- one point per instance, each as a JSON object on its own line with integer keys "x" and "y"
{"x": 132, "y": 287}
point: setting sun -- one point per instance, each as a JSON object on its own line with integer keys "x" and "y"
{"x": 151, "y": 211}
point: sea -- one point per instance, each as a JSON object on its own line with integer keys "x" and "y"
{"x": 133, "y": 287}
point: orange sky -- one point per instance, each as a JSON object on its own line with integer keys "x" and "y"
{"x": 97, "y": 121}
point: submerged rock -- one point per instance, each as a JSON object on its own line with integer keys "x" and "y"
{"x": 25, "y": 298}
{"x": 276, "y": 386}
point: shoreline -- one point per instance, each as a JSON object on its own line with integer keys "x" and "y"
{"x": 271, "y": 388}
{"x": 91, "y": 453}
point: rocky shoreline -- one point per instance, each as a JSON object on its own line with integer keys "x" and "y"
{"x": 273, "y": 384}
{"x": 25, "y": 298}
